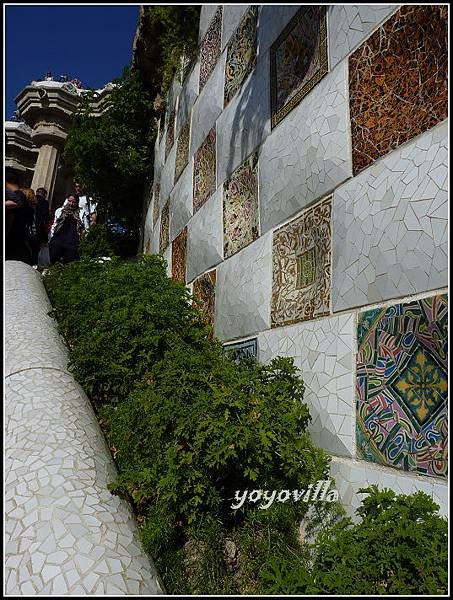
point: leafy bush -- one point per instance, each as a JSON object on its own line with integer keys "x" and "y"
{"x": 118, "y": 319}
{"x": 399, "y": 547}
{"x": 96, "y": 242}
{"x": 188, "y": 426}
{"x": 212, "y": 427}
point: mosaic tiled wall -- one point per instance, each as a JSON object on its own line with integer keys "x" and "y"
{"x": 164, "y": 239}
{"x": 245, "y": 349}
{"x": 398, "y": 82}
{"x": 204, "y": 171}
{"x": 156, "y": 194}
{"x": 301, "y": 267}
{"x": 298, "y": 60}
{"x": 241, "y": 54}
{"x": 170, "y": 133}
{"x": 204, "y": 292}
{"x": 210, "y": 48}
{"x": 313, "y": 189}
{"x": 402, "y": 385}
{"x": 182, "y": 149}
{"x": 178, "y": 254}
{"x": 240, "y": 207}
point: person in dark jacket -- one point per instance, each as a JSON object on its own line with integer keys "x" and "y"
{"x": 19, "y": 215}
{"x": 67, "y": 233}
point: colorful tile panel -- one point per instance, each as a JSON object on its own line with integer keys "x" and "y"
{"x": 182, "y": 149}
{"x": 298, "y": 60}
{"x": 240, "y": 207}
{"x": 204, "y": 292}
{"x": 301, "y": 267}
{"x": 164, "y": 228}
{"x": 211, "y": 48}
{"x": 402, "y": 404}
{"x": 156, "y": 195}
{"x": 178, "y": 253}
{"x": 241, "y": 54}
{"x": 170, "y": 134}
{"x": 204, "y": 171}
{"x": 245, "y": 349}
{"x": 398, "y": 82}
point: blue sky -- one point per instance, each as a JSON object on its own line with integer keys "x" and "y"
{"x": 91, "y": 43}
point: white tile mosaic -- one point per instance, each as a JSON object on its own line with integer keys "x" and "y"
{"x": 352, "y": 475}
{"x": 390, "y": 225}
{"x": 205, "y": 237}
{"x": 350, "y": 24}
{"x": 208, "y": 106}
{"x": 308, "y": 154}
{"x": 187, "y": 97}
{"x": 181, "y": 205}
{"x": 206, "y": 15}
{"x": 232, "y": 14}
{"x": 243, "y": 291}
{"x": 323, "y": 352}
{"x": 55, "y": 537}
{"x": 245, "y": 122}
{"x": 272, "y": 20}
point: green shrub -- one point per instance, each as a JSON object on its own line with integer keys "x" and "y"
{"x": 119, "y": 318}
{"x": 96, "y": 242}
{"x": 399, "y": 547}
{"x": 189, "y": 426}
{"x": 212, "y": 427}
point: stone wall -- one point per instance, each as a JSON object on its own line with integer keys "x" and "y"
{"x": 300, "y": 190}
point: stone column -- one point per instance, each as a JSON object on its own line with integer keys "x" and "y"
{"x": 46, "y": 169}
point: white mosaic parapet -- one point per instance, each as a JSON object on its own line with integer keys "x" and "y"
{"x": 308, "y": 154}
{"x": 205, "y": 237}
{"x": 390, "y": 225}
{"x": 65, "y": 533}
{"x": 349, "y": 25}
{"x": 243, "y": 291}
{"x": 352, "y": 475}
{"x": 323, "y": 351}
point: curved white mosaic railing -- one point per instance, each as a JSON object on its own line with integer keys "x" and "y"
{"x": 65, "y": 532}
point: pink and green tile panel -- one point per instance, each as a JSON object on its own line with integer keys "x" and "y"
{"x": 240, "y": 207}
{"x": 401, "y": 386}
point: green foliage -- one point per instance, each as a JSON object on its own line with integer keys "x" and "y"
{"x": 188, "y": 427}
{"x": 112, "y": 153}
{"x": 174, "y": 29}
{"x": 96, "y": 242}
{"x": 399, "y": 547}
{"x": 213, "y": 427}
{"x": 119, "y": 318}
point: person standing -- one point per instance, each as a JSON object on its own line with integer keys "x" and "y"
{"x": 86, "y": 206}
{"x": 18, "y": 215}
{"x": 67, "y": 233}
{"x": 42, "y": 217}
{"x": 31, "y": 232}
